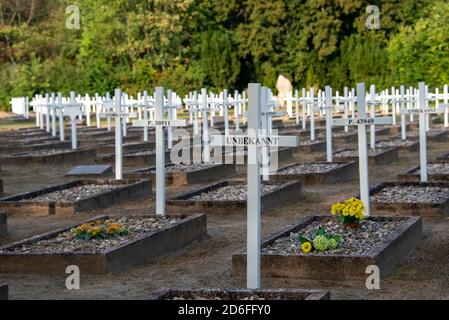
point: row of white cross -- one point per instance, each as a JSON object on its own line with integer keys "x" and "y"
{"x": 259, "y": 139}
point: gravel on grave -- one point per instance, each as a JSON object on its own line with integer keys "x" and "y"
{"x": 411, "y": 194}
{"x": 65, "y": 242}
{"x": 141, "y": 153}
{"x": 355, "y": 153}
{"x": 73, "y": 194}
{"x": 235, "y": 192}
{"x": 395, "y": 143}
{"x": 436, "y": 168}
{"x": 38, "y": 153}
{"x": 305, "y": 168}
{"x": 344, "y": 134}
{"x": 431, "y": 133}
{"x": 354, "y": 242}
{"x": 187, "y": 167}
{"x": 309, "y": 142}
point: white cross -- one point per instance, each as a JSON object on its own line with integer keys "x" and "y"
{"x": 372, "y": 101}
{"x": 118, "y": 114}
{"x": 254, "y": 140}
{"x": 73, "y": 110}
{"x": 57, "y": 106}
{"x": 313, "y": 102}
{"x": 424, "y": 110}
{"x": 204, "y": 109}
{"x": 362, "y": 121}
{"x": 160, "y": 124}
{"x": 172, "y": 106}
{"x": 107, "y": 105}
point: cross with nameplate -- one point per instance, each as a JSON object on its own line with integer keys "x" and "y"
{"x": 361, "y": 122}
{"x": 57, "y": 107}
{"x": 73, "y": 110}
{"x": 423, "y": 111}
{"x": 254, "y": 140}
{"x": 159, "y": 123}
{"x": 118, "y": 114}
{"x": 373, "y": 102}
{"x": 328, "y": 107}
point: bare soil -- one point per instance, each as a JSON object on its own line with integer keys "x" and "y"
{"x": 207, "y": 262}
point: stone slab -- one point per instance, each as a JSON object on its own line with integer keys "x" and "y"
{"x": 90, "y": 171}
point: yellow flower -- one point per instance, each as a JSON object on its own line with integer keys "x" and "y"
{"x": 306, "y": 247}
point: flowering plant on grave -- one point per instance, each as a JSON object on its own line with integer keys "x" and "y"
{"x": 321, "y": 241}
{"x": 350, "y": 212}
{"x": 99, "y": 230}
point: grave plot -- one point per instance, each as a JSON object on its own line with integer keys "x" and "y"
{"x": 24, "y": 135}
{"x": 432, "y": 135}
{"x": 104, "y": 135}
{"x": 311, "y": 146}
{"x": 380, "y": 241}
{"x": 302, "y": 133}
{"x": 127, "y": 147}
{"x": 240, "y": 158}
{"x": 411, "y": 198}
{"x": 27, "y": 147}
{"x": 4, "y": 291}
{"x": 239, "y": 294}
{"x": 13, "y": 132}
{"x": 317, "y": 172}
{"x": 109, "y": 140}
{"x": 134, "y": 159}
{"x": 3, "y": 224}
{"x": 345, "y": 137}
{"x": 75, "y": 197}
{"x": 182, "y": 174}
{"x": 375, "y": 157}
{"x": 437, "y": 171}
{"x": 125, "y": 242}
{"x": 39, "y": 140}
{"x": 230, "y": 196}
{"x": 402, "y": 145}
{"x": 95, "y": 134}
{"x": 49, "y": 156}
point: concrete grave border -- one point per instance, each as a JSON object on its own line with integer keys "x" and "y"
{"x": 121, "y": 257}
{"x": 344, "y": 172}
{"x": 240, "y": 294}
{"x": 131, "y": 189}
{"x": 334, "y": 267}
{"x": 440, "y": 209}
{"x": 287, "y": 192}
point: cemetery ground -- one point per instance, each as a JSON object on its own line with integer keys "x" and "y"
{"x": 208, "y": 262}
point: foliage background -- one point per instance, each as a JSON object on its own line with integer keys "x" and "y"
{"x": 188, "y": 44}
